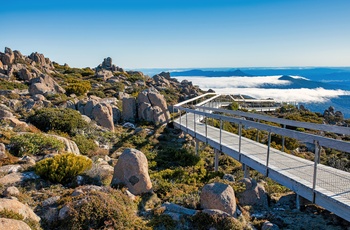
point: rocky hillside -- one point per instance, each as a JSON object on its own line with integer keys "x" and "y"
{"x": 90, "y": 148}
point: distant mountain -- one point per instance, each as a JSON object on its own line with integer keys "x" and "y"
{"x": 298, "y": 83}
{"x": 210, "y": 73}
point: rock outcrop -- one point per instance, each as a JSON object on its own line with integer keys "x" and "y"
{"x": 218, "y": 196}
{"x": 108, "y": 65}
{"x": 18, "y": 207}
{"x": 132, "y": 170}
{"x": 254, "y": 194}
{"x": 102, "y": 113}
{"x": 8, "y": 57}
{"x": 152, "y": 107}
{"x": 129, "y": 109}
{"x": 44, "y": 85}
{"x": 70, "y": 146}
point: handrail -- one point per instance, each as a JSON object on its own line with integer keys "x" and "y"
{"x": 323, "y": 141}
{"x": 313, "y": 126}
{"x": 193, "y": 99}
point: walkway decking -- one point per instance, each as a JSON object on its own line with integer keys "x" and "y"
{"x": 332, "y": 189}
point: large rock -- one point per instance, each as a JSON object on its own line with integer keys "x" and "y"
{"x": 116, "y": 114}
{"x": 254, "y": 194}
{"x": 44, "y": 84}
{"x": 129, "y": 109}
{"x": 70, "y": 146}
{"x": 132, "y": 170}
{"x": 152, "y": 107}
{"x": 5, "y": 113}
{"x": 218, "y": 196}
{"x": 1, "y": 65}
{"x": 14, "y": 178}
{"x": 18, "y": 207}
{"x": 11, "y": 224}
{"x": 104, "y": 74}
{"x": 25, "y": 74}
{"x": 8, "y": 57}
{"x": 102, "y": 113}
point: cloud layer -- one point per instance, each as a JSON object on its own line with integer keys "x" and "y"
{"x": 233, "y": 85}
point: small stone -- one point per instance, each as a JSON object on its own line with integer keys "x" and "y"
{"x": 11, "y": 191}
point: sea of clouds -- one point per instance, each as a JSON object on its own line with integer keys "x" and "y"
{"x": 253, "y": 86}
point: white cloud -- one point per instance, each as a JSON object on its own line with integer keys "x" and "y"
{"x": 234, "y": 82}
{"x": 233, "y": 85}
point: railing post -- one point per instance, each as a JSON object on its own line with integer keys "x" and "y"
{"x": 220, "y": 133}
{"x": 216, "y": 161}
{"x": 268, "y": 154}
{"x": 239, "y": 140}
{"x": 316, "y": 161}
{"x": 194, "y": 124}
{"x": 257, "y": 133}
{"x": 283, "y": 139}
{"x": 180, "y": 112}
{"x": 206, "y": 129}
{"x": 186, "y": 122}
{"x": 197, "y": 146}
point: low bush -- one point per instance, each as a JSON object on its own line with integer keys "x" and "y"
{"x": 34, "y": 144}
{"x": 7, "y": 85}
{"x": 101, "y": 210}
{"x": 85, "y": 145}
{"x": 64, "y": 120}
{"x": 78, "y": 87}
{"x": 62, "y": 168}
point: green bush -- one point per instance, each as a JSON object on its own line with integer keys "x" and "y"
{"x": 206, "y": 221}
{"x": 7, "y": 85}
{"x": 64, "y": 120}
{"x": 78, "y": 87}
{"x": 84, "y": 144}
{"x": 62, "y": 168}
{"x": 101, "y": 210}
{"x": 34, "y": 144}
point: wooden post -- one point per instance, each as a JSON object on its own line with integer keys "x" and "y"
{"x": 316, "y": 161}
{"x": 268, "y": 155}
{"x": 216, "y": 163}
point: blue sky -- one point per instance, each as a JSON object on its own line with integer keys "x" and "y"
{"x": 176, "y": 34}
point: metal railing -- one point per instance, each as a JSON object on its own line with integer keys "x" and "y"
{"x": 199, "y": 126}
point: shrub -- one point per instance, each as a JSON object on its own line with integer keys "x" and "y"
{"x": 84, "y": 144}
{"x": 64, "y": 120}
{"x": 7, "y": 85}
{"x": 101, "y": 210}
{"x": 34, "y": 144}
{"x": 78, "y": 87}
{"x": 62, "y": 168}
{"x": 206, "y": 221}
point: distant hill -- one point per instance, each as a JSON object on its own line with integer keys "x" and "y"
{"x": 210, "y": 73}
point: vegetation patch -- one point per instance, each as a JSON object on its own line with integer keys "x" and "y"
{"x": 62, "y": 168}
{"x": 35, "y": 144}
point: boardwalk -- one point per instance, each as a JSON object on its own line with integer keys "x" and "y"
{"x": 326, "y": 186}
